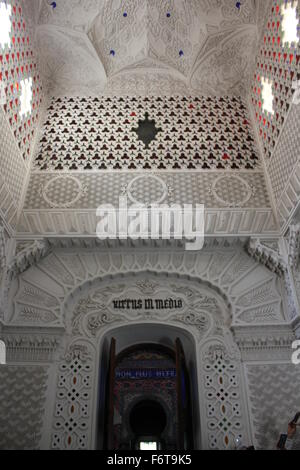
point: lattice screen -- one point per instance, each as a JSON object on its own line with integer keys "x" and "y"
{"x": 222, "y": 399}
{"x": 17, "y": 64}
{"x": 277, "y": 62}
{"x": 196, "y": 133}
{"x": 73, "y": 400}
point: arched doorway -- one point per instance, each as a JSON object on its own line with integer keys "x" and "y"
{"x": 202, "y": 323}
{"x": 148, "y": 398}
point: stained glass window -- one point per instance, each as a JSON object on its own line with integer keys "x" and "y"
{"x": 289, "y": 24}
{"x": 5, "y": 25}
{"x": 267, "y": 95}
{"x": 26, "y": 96}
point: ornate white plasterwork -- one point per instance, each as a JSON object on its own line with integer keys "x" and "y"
{"x": 252, "y": 291}
{"x": 158, "y": 193}
{"x": 74, "y": 399}
{"x": 24, "y": 347}
{"x": 142, "y": 82}
{"x": 267, "y": 256}
{"x": 13, "y": 171}
{"x": 27, "y": 257}
{"x": 22, "y": 400}
{"x": 226, "y": 65}
{"x": 73, "y": 191}
{"x": 274, "y": 400}
{"x": 151, "y": 34}
{"x": 90, "y": 317}
{"x": 261, "y": 343}
{"x": 225, "y": 412}
{"x": 201, "y": 308}
{"x": 219, "y": 287}
{"x": 284, "y": 168}
{"x": 256, "y": 217}
{"x": 68, "y": 61}
{"x": 239, "y": 197}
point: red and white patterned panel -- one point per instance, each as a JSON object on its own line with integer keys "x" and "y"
{"x": 17, "y": 64}
{"x": 278, "y": 62}
{"x": 195, "y": 133}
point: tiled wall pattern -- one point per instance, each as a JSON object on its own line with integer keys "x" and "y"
{"x": 17, "y": 63}
{"x": 287, "y": 153}
{"x": 22, "y": 404}
{"x": 91, "y": 189}
{"x": 274, "y": 395}
{"x": 12, "y": 172}
{"x": 196, "y": 133}
{"x": 279, "y": 62}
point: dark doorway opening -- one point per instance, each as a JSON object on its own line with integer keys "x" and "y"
{"x": 148, "y": 418}
{"x": 148, "y": 398}
{"x": 148, "y": 421}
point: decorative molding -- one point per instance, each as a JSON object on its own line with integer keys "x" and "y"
{"x": 265, "y": 343}
{"x": 83, "y": 222}
{"x": 135, "y": 190}
{"x": 73, "y": 191}
{"x": 91, "y": 266}
{"x": 239, "y": 198}
{"x": 267, "y": 257}
{"x": 92, "y": 311}
{"x": 30, "y": 347}
{"x": 28, "y": 257}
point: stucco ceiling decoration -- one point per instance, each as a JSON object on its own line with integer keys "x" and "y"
{"x": 91, "y": 45}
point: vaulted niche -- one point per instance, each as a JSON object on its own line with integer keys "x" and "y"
{"x": 150, "y": 396}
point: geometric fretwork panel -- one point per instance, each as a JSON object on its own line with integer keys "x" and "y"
{"x": 194, "y": 133}
{"x": 90, "y": 189}
{"x": 73, "y": 400}
{"x": 275, "y": 399}
{"x": 277, "y": 62}
{"x": 17, "y": 65}
{"x": 223, "y": 398}
{"x": 283, "y": 164}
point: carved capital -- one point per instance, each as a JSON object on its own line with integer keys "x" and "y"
{"x": 28, "y": 257}
{"x": 266, "y": 256}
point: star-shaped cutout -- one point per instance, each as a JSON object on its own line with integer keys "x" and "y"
{"x": 147, "y": 131}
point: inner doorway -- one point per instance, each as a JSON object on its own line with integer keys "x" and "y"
{"x": 148, "y": 401}
{"x": 148, "y": 421}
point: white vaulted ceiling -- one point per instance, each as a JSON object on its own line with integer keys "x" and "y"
{"x": 90, "y": 46}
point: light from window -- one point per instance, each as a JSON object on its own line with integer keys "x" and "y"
{"x": 26, "y": 96}
{"x": 289, "y": 24}
{"x": 267, "y": 95}
{"x": 5, "y": 24}
{"x": 148, "y": 446}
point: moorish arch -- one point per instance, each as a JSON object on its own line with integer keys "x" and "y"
{"x": 201, "y": 318}
{"x": 59, "y": 318}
